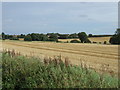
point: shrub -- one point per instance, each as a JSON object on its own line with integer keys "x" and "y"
{"x": 100, "y": 42}
{"x": 22, "y": 72}
{"x": 105, "y": 42}
{"x": 94, "y": 42}
{"x": 90, "y": 35}
{"x": 74, "y": 41}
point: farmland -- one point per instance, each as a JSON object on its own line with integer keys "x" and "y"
{"x": 102, "y": 58}
{"x": 92, "y": 39}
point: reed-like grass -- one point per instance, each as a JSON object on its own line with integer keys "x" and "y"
{"x": 25, "y": 72}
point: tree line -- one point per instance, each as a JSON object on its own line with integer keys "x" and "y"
{"x": 48, "y": 37}
{"x": 83, "y": 37}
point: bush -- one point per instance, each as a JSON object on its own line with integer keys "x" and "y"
{"x": 100, "y": 42}
{"x": 22, "y": 72}
{"x": 115, "y": 39}
{"x": 94, "y": 42}
{"x": 90, "y": 35}
{"x": 27, "y": 38}
{"x": 74, "y": 41}
{"x": 105, "y": 42}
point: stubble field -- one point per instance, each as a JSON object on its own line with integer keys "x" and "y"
{"x": 102, "y": 58}
{"x": 93, "y": 39}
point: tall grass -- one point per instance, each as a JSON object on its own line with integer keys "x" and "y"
{"x": 23, "y": 72}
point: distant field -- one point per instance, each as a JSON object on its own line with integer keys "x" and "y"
{"x": 97, "y": 56}
{"x": 93, "y": 39}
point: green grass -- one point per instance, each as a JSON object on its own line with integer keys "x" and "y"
{"x": 23, "y": 72}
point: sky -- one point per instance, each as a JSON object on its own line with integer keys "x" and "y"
{"x": 59, "y": 17}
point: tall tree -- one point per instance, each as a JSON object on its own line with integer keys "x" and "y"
{"x": 115, "y": 39}
{"x": 27, "y": 38}
{"x": 53, "y": 37}
{"x": 82, "y": 36}
{"x": 3, "y": 35}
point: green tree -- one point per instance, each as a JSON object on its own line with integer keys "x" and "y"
{"x": 35, "y": 37}
{"x": 115, "y": 39}
{"x": 82, "y": 36}
{"x": 44, "y": 38}
{"x": 3, "y": 35}
{"x": 74, "y": 35}
{"x": 14, "y": 38}
{"x": 63, "y": 36}
{"x": 53, "y": 37}
{"x": 90, "y": 35}
{"x": 21, "y": 36}
{"x": 27, "y": 38}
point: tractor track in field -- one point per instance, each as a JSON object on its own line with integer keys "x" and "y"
{"x": 98, "y": 52}
{"x": 95, "y": 54}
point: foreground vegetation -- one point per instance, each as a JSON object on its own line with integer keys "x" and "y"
{"x": 27, "y": 72}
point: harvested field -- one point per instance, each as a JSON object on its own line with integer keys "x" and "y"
{"x": 99, "y": 57}
{"x": 100, "y": 39}
{"x": 93, "y": 39}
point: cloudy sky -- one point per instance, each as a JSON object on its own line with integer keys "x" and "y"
{"x": 61, "y": 17}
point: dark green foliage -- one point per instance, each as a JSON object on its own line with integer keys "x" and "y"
{"x": 27, "y": 38}
{"x": 21, "y": 36}
{"x": 100, "y": 42}
{"x": 90, "y": 35}
{"x": 94, "y": 42}
{"x": 115, "y": 39}
{"x": 74, "y": 41}
{"x": 105, "y": 42}
{"x": 38, "y": 37}
{"x": 99, "y": 35}
{"x": 53, "y": 37}
{"x": 63, "y": 36}
{"x": 9, "y": 36}
{"x": 82, "y": 36}
{"x": 3, "y": 35}
{"x": 45, "y": 38}
{"x": 14, "y": 38}
{"x": 22, "y": 72}
{"x": 74, "y": 35}
{"x": 48, "y": 34}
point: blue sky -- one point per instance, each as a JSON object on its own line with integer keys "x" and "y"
{"x": 61, "y": 17}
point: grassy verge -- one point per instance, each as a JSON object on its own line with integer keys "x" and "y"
{"x": 22, "y": 72}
